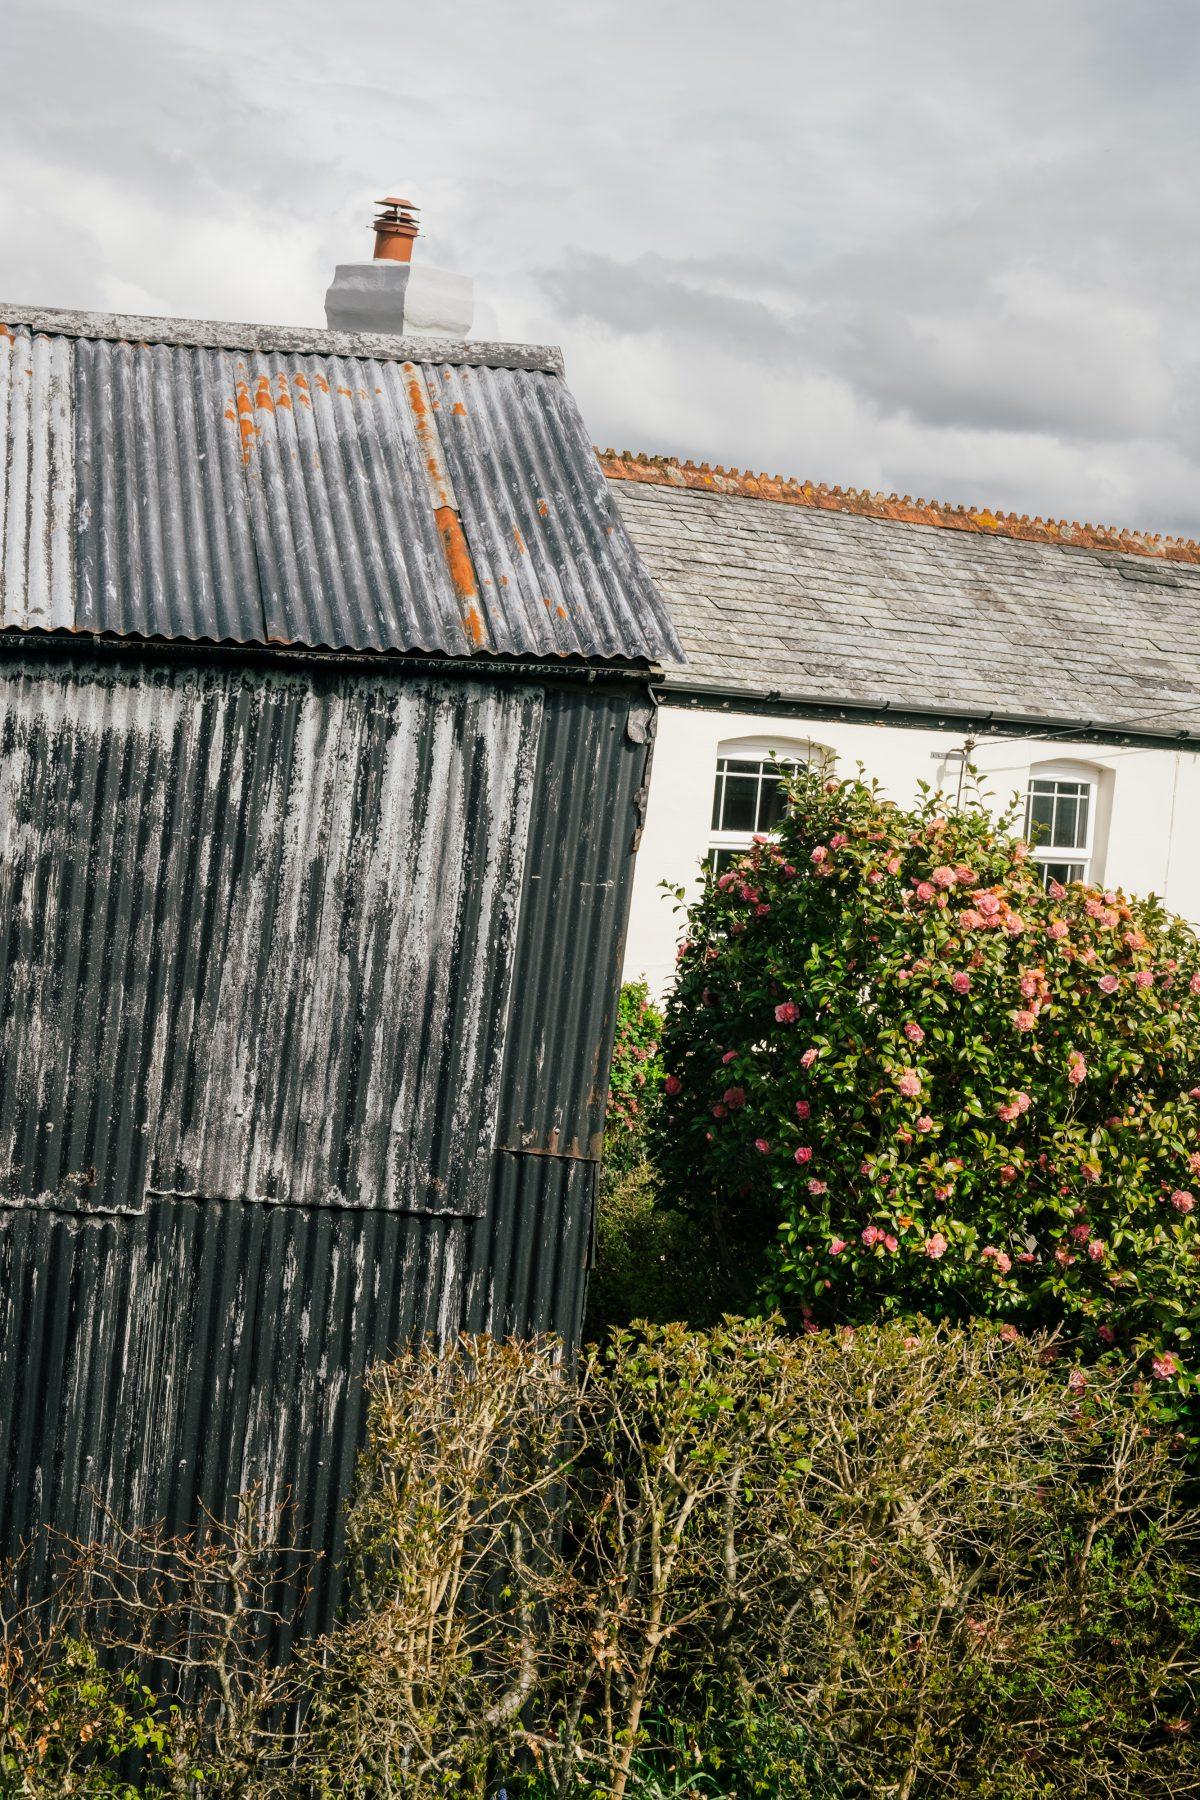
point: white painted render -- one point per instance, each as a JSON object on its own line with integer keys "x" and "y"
{"x": 1146, "y": 837}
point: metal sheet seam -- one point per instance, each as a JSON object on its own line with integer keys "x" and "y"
{"x": 445, "y": 507}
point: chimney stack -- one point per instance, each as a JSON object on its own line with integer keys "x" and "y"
{"x": 392, "y": 294}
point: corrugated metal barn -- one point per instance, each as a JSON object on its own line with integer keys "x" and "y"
{"x": 325, "y": 728}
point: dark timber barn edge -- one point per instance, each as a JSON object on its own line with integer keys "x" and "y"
{"x": 324, "y": 730}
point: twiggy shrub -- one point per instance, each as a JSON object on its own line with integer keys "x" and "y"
{"x": 903, "y": 1078}
{"x": 890, "y": 1563}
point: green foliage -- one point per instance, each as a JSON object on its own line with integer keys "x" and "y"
{"x": 69, "y": 1725}
{"x": 905, "y": 1080}
{"x": 651, "y": 1263}
{"x": 635, "y": 1080}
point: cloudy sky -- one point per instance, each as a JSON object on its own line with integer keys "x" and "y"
{"x": 947, "y": 248}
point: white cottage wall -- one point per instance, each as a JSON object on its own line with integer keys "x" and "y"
{"x": 1143, "y": 841}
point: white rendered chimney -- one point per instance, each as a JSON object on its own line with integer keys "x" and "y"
{"x": 391, "y": 293}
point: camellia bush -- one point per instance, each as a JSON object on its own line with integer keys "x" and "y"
{"x": 934, "y": 1087}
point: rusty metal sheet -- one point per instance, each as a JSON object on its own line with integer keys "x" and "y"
{"x": 37, "y": 481}
{"x": 203, "y": 492}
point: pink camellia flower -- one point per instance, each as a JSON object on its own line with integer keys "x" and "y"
{"x": 761, "y": 911}
{"x": 803, "y": 1109}
{"x": 837, "y": 1245}
{"x": 924, "y": 1123}
{"x": 909, "y": 1083}
{"x": 1144, "y": 978}
{"x": 892, "y": 865}
{"x": 1026, "y": 1257}
{"x": 803, "y": 1154}
{"x": 734, "y": 1097}
{"x": 891, "y": 1242}
{"x": 819, "y": 855}
{"x": 808, "y": 1059}
{"x": 1056, "y": 890}
{"x": 1081, "y": 1232}
{"x": 912, "y": 1343}
{"x": 942, "y": 1193}
{"x": 787, "y": 1012}
{"x": 1096, "y": 1249}
{"x": 838, "y": 841}
{"x": 762, "y": 1146}
{"x": 1194, "y": 1162}
{"x": 873, "y": 877}
{"x": 726, "y": 881}
{"x": 991, "y": 1254}
{"x": 960, "y": 981}
{"x": 729, "y": 1056}
{"x": 1009, "y": 1333}
{"x": 1077, "y": 1382}
{"x": 1182, "y": 1201}
{"x": 924, "y": 891}
{"x": 672, "y": 1084}
{"x": 720, "y": 1112}
{"x": 936, "y": 1246}
{"x": 1008, "y": 1173}
{"x": 1023, "y": 1103}
{"x": 913, "y": 1032}
{"x": 1057, "y": 929}
{"x": 1108, "y": 984}
{"x": 988, "y": 904}
{"x": 871, "y": 1236}
{"x": 1063, "y": 1257}
{"x": 1076, "y": 1068}
{"x": 1106, "y": 1334}
{"x": 818, "y": 1187}
{"x": 1165, "y": 1366}
{"x": 1014, "y": 924}
{"x": 964, "y": 876}
{"x": 1194, "y": 984}
{"x": 1194, "y": 1093}
{"x": 1024, "y": 1020}
{"x": 943, "y": 877}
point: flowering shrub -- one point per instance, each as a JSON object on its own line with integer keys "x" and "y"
{"x": 938, "y": 1087}
{"x": 635, "y": 1079}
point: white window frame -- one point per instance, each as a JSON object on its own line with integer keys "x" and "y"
{"x": 786, "y": 752}
{"x": 1078, "y": 859}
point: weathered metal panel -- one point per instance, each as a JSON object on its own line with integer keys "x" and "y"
{"x": 163, "y": 542}
{"x": 260, "y": 936}
{"x": 556, "y": 570}
{"x": 168, "y": 1356}
{"x": 591, "y": 796}
{"x": 37, "y": 481}
{"x": 205, "y": 493}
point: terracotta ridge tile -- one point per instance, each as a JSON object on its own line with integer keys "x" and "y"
{"x": 667, "y": 471}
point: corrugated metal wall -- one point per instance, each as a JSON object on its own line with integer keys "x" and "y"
{"x": 172, "y": 1348}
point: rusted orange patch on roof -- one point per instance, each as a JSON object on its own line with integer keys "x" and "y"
{"x": 665, "y": 471}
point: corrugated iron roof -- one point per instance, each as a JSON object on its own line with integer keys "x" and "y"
{"x": 253, "y": 484}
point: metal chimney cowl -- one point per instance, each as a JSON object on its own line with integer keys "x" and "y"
{"x": 390, "y": 294}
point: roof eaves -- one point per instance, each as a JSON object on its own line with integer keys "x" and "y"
{"x": 217, "y": 334}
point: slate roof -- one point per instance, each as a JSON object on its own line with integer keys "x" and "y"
{"x": 165, "y": 478}
{"x": 822, "y": 602}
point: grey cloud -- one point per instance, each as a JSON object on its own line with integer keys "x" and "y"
{"x": 932, "y": 246}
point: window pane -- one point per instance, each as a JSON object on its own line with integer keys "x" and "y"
{"x": 718, "y": 795}
{"x": 1066, "y": 822}
{"x": 740, "y": 809}
{"x": 1039, "y": 819}
{"x": 773, "y": 803}
{"x": 1064, "y": 872}
{"x": 717, "y": 861}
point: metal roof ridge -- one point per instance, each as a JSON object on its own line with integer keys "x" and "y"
{"x": 221, "y": 334}
{"x": 668, "y": 471}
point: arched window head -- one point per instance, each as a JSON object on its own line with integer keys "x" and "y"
{"x": 748, "y": 795}
{"x": 1060, "y": 820}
